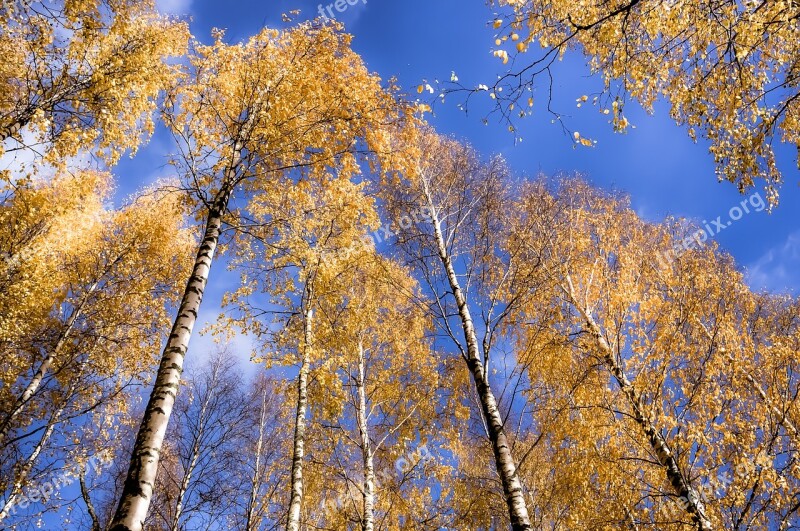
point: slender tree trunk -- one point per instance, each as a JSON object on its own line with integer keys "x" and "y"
{"x": 26, "y": 468}
{"x": 631, "y": 520}
{"x": 88, "y": 501}
{"x": 193, "y": 458}
{"x": 15, "y": 124}
{"x": 13, "y": 127}
{"x": 506, "y": 466}
{"x": 783, "y": 419}
{"x": 689, "y": 497}
{"x": 137, "y": 492}
{"x": 298, "y": 453}
{"x": 368, "y": 489}
{"x": 252, "y": 523}
{"x": 38, "y": 377}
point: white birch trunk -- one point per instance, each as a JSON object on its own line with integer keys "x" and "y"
{"x": 298, "y": 452}
{"x": 137, "y": 492}
{"x": 26, "y": 468}
{"x": 43, "y": 369}
{"x": 368, "y": 488}
{"x": 87, "y": 499}
{"x": 689, "y": 496}
{"x": 252, "y": 523}
{"x": 13, "y": 128}
{"x": 506, "y": 466}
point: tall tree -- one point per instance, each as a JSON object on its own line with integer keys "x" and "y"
{"x": 294, "y": 252}
{"x": 247, "y": 114}
{"x": 389, "y": 380}
{"x": 456, "y": 203}
{"x": 71, "y": 369}
{"x": 661, "y": 331}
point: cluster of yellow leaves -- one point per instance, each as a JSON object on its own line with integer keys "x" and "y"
{"x": 729, "y": 70}
{"x": 377, "y": 314}
{"x": 30, "y": 217}
{"x": 702, "y": 361}
{"x": 85, "y": 75}
{"x": 294, "y": 98}
{"x": 91, "y": 288}
{"x": 697, "y": 346}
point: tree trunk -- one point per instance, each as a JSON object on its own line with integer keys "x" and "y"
{"x": 26, "y": 468}
{"x": 252, "y": 523}
{"x": 13, "y": 128}
{"x": 46, "y": 105}
{"x": 137, "y": 492}
{"x": 689, "y": 497}
{"x": 298, "y": 453}
{"x": 36, "y": 381}
{"x": 368, "y": 489}
{"x": 87, "y": 499}
{"x": 506, "y": 466}
{"x": 193, "y": 458}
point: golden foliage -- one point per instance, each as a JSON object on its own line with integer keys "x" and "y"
{"x": 85, "y": 75}
{"x": 729, "y": 70}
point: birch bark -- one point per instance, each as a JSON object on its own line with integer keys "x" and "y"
{"x": 689, "y": 496}
{"x": 137, "y": 491}
{"x": 298, "y": 452}
{"x": 506, "y": 466}
{"x": 368, "y": 488}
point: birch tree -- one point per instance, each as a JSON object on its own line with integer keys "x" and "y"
{"x": 389, "y": 383}
{"x": 294, "y": 255}
{"x": 458, "y": 202}
{"x": 75, "y": 368}
{"x": 247, "y": 114}
{"x": 660, "y": 330}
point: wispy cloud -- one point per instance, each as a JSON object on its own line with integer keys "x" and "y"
{"x": 26, "y": 158}
{"x": 174, "y": 7}
{"x": 778, "y": 270}
{"x": 203, "y": 344}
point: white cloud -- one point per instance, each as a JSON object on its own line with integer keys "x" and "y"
{"x": 19, "y": 160}
{"x": 202, "y": 344}
{"x": 25, "y": 158}
{"x": 778, "y": 270}
{"x": 174, "y": 7}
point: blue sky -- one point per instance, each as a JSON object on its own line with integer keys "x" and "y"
{"x": 656, "y": 163}
{"x": 664, "y": 172}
